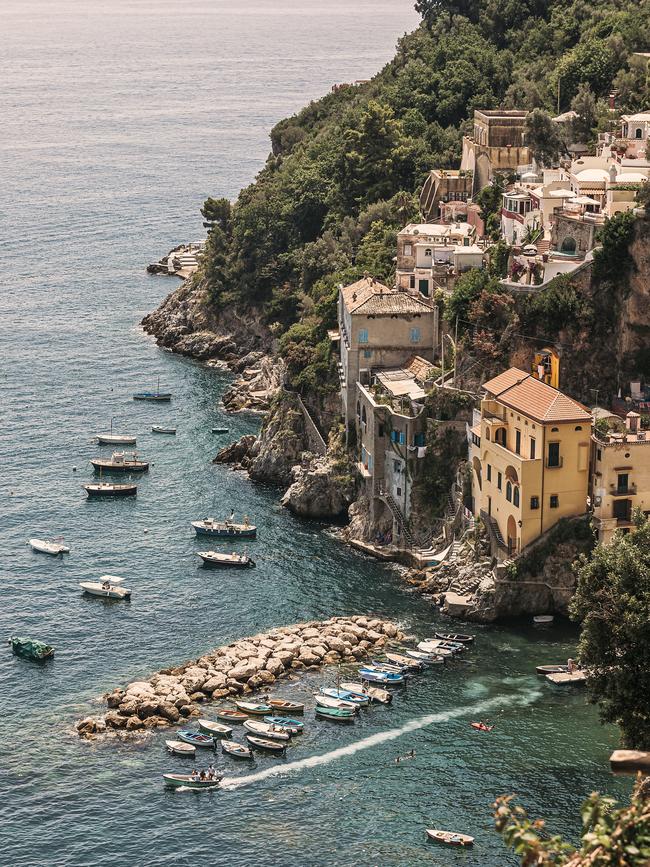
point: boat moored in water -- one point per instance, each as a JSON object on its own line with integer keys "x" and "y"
{"x": 345, "y": 695}
{"x": 189, "y": 781}
{"x": 455, "y": 637}
{"x": 162, "y": 430}
{"x": 286, "y": 705}
{"x": 426, "y": 658}
{"x": 224, "y": 529}
{"x": 383, "y": 696}
{"x": 216, "y": 558}
{"x": 406, "y": 662}
{"x": 285, "y": 723}
{"x": 266, "y": 744}
{"x": 328, "y": 701}
{"x": 178, "y": 748}
{"x": 154, "y": 396}
{"x": 217, "y": 730}
{"x": 266, "y": 730}
{"x": 108, "y": 587}
{"x": 47, "y": 546}
{"x": 120, "y": 462}
{"x": 378, "y": 676}
{"x": 551, "y": 669}
{"x": 338, "y": 714}
{"x": 31, "y": 648}
{"x": 197, "y": 739}
{"x": 254, "y": 708}
{"x": 230, "y": 715}
{"x": 116, "y": 439}
{"x": 449, "y": 838}
{"x": 106, "y": 489}
{"x": 219, "y": 430}
{"x": 237, "y": 751}
{"x": 543, "y": 619}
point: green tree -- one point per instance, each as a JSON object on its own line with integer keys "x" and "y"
{"x": 431, "y": 10}
{"x": 218, "y": 212}
{"x": 584, "y": 104}
{"x": 612, "y": 600}
{"x": 490, "y": 200}
{"x": 543, "y": 137}
{"x": 467, "y": 290}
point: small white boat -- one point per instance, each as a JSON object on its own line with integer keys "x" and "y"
{"x": 338, "y": 703}
{"x": 208, "y": 727}
{"x": 116, "y": 439}
{"x": 266, "y": 730}
{"x": 426, "y": 658}
{"x": 162, "y": 430}
{"x": 178, "y": 748}
{"x": 383, "y": 696}
{"x": 49, "y": 547}
{"x": 543, "y": 619}
{"x": 449, "y": 838}
{"x": 217, "y": 558}
{"x": 108, "y": 586}
{"x": 434, "y": 647}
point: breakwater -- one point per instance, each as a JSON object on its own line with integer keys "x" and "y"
{"x": 237, "y": 669}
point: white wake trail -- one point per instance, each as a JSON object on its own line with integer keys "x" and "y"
{"x": 379, "y": 738}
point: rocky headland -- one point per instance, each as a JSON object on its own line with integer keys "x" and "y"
{"x": 245, "y": 666}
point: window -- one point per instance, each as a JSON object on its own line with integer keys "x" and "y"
{"x": 555, "y": 501}
{"x": 518, "y": 441}
{"x": 381, "y": 431}
{"x": 370, "y": 462}
{"x": 397, "y": 467}
{"x": 367, "y": 353}
{"x": 358, "y": 410}
{"x": 402, "y": 438}
{"x": 499, "y": 479}
{"x": 638, "y": 133}
{"x": 427, "y": 251}
{"x": 509, "y": 491}
{"x": 500, "y": 436}
{"x": 489, "y": 472}
{"x": 553, "y": 455}
{"x": 515, "y": 496}
{"x": 398, "y": 491}
{"x": 622, "y": 483}
{"x": 578, "y": 427}
{"x": 419, "y": 439}
{"x": 394, "y": 436}
{"x": 412, "y": 281}
{"x": 555, "y": 429}
{"x": 415, "y": 335}
{"x": 363, "y": 335}
{"x": 532, "y": 448}
{"x": 408, "y": 250}
{"x": 534, "y": 502}
{"x": 599, "y": 455}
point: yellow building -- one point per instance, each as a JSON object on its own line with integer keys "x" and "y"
{"x": 530, "y": 459}
{"x": 620, "y": 479}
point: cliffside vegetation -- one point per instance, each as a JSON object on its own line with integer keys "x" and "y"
{"x": 341, "y": 176}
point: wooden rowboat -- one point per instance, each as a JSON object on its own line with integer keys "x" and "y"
{"x": 266, "y": 730}
{"x": 219, "y": 430}
{"x": 285, "y": 723}
{"x": 175, "y": 781}
{"x": 196, "y": 739}
{"x": 455, "y": 636}
{"x": 450, "y": 838}
{"x": 383, "y": 696}
{"x": 267, "y": 745}
{"x": 162, "y": 430}
{"x": 237, "y": 751}
{"x": 426, "y": 658}
{"x": 345, "y": 695}
{"x": 543, "y": 619}
{"x": 327, "y": 701}
{"x": 229, "y": 715}
{"x": 179, "y": 748}
{"x": 254, "y": 709}
{"x": 338, "y": 714}
{"x": 288, "y": 706}
{"x": 214, "y": 728}
{"x": 390, "y": 667}
{"x": 404, "y": 661}
{"x": 551, "y": 669}
{"x": 375, "y": 675}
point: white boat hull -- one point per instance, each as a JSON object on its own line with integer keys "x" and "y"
{"x": 115, "y": 440}
{"x": 46, "y": 547}
{"x": 95, "y": 589}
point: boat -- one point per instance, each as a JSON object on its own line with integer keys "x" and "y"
{"x": 285, "y": 723}
{"x": 237, "y": 751}
{"x": 178, "y": 748}
{"x": 383, "y": 696}
{"x": 233, "y": 716}
{"x": 378, "y": 665}
{"x": 426, "y": 658}
{"x": 263, "y": 729}
{"x": 481, "y": 726}
{"x": 187, "y": 781}
{"x": 31, "y": 648}
{"x": 449, "y": 838}
{"x": 196, "y": 738}
{"x": 219, "y": 430}
{"x": 288, "y": 706}
{"x": 376, "y": 676}
{"x": 335, "y": 703}
{"x": 454, "y": 646}
{"x": 551, "y": 669}
{"x": 108, "y": 587}
{"x": 155, "y": 428}
{"x": 49, "y": 547}
{"x": 224, "y": 529}
{"x": 157, "y": 395}
{"x": 455, "y": 637}
{"x": 543, "y": 619}
{"x": 253, "y": 708}
{"x": 353, "y": 697}
{"x": 216, "y": 558}
{"x": 338, "y": 714}
{"x": 434, "y": 648}
{"x": 405, "y": 661}
{"x": 106, "y": 489}
{"x": 120, "y": 462}
{"x": 267, "y": 745}
{"x": 216, "y": 729}
{"x": 116, "y": 439}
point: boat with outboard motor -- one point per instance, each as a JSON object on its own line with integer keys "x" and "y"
{"x": 336, "y": 703}
{"x": 225, "y": 529}
{"x": 237, "y": 751}
{"x": 286, "y": 705}
{"x": 179, "y": 748}
{"x": 449, "y": 838}
{"x": 156, "y": 428}
{"x": 107, "y": 489}
{"x": 346, "y": 695}
{"x": 31, "y": 648}
{"x": 254, "y": 708}
{"x": 337, "y": 714}
{"x": 266, "y": 730}
{"x": 267, "y": 745}
{"x": 191, "y": 781}
{"x": 217, "y": 730}
{"x": 374, "y": 675}
{"x": 286, "y": 724}
{"x": 107, "y": 587}
{"x": 234, "y": 560}
{"x": 120, "y": 462}
{"x": 46, "y": 546}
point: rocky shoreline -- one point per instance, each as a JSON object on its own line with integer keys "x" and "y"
{"x": 240, "y": 668}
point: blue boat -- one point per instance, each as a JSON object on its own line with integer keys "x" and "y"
{"x": 346, "y": 695}
{"x": 374, "y": 675}
{"x": 196, "y": 739}
{"x": 156, "y": 395}
{"x": 292, "y": 726}
{"x": 224, "y": 529}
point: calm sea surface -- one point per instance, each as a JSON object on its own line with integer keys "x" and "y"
{"x": 118, "y": 119}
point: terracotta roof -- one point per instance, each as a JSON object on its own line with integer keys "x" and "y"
{"x": 524, "y": 393}
{"x": 419, "y": 367}
{"x": 377, "y": 299}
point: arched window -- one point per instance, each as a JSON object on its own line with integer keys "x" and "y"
{"x": 638, "y": 133}
{"x": 554, "y": 429}
{"x": 515, "y": 496}
{"x": 358, "y": 410}
{"x": 509, "y": 491}
{"x": 427, "y": 251}
{"x": 568, "y": 245}
{"x": 487, "y": 434}
{"x": 500, "y": 436}
{"x": 578, "y": 427}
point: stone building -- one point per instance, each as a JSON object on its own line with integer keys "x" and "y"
{"x": 444, "y": 186}
{"x": 429, "y": 255}
{"x": 497, "y": 144}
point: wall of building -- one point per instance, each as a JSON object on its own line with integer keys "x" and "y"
{"x": 566, "y": 229}
{"x": 609, "y": 461}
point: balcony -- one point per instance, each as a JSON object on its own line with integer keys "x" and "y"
{"x": 626, "y": 491}
{"x": 556, "y": 464}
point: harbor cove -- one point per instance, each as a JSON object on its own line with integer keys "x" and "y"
{"x": 259, "y": 600}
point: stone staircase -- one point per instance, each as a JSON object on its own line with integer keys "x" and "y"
{"x": 493, "y": 529}
{"x": 401, "y": 521}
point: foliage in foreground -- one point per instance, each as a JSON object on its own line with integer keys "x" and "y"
{"x": 612, "y": 836}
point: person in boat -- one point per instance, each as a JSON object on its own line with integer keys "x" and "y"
{"x": 106, "y": 585}
{"x": 246, "y": 521}
{"x": 194, "y": 776}
{"x": 202, "y": 775}
{"x": 211, "y": 772}
{"x": 570, "y": 665}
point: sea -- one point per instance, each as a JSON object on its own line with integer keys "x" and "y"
{"x": 119, "y": 118}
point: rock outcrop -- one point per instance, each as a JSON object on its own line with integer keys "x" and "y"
{"x": 239, "y": 453}
{"x": 318, "y": 491}
{"x": 239, "y": 669}
{"x": 260, "y": 378}
{"x": 281, "y": 442}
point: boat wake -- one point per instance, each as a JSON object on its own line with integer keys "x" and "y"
{"x": 380, "y": 737}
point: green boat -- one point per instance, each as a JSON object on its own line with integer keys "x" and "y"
{"x": 30, "y": 648}
{"x": 339, "y": 714}
{"x": 175, "y": 781}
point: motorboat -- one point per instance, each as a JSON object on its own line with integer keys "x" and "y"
{"x": 449, "y": 838}
{"x": 237, "y": 751}
{"x": 219, "y": 430}
{"x": 383, "y": 696}
{"x": 481, "y": 726}
{"x": 189, "y": 781}
{"x": 232, "y": 716}
{"x": 215, "y": 729}
{"x": 266, "y": 744}
{"x": 120, "y": 462}
{"x": 345, "y": 695}
{"x": 285, "y": 705}
{"x": 552, "y": 669}
{"x": 225, "y": 529}
{"x": 336, "y": 703}
{"x": 254, "y": 708}
{"x": 108, "y": 586}
{"x": 31, "y": 648}
{"x": 155, "y": 428}
{"x": 154, "y": 396}
{"x": 233, "y": 560}
{"x": 543, "y": 619}
{"x": 285, "y": 723}
{"x": 106, "y": 489}
{"x": 197, "y": 739}
{"x": 178, "y": 748}
{"x": 49, "y": 547}
{"x": 266, "y": 730}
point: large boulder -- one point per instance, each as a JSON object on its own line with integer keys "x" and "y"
{"x": 217, "y": 681}
{"x": 193, "y": 678}
{"x": 114, "y": 720}
{"x": 320, "y": 488}
{"x": 274, "y": 665}
{"x": 168, "y": 712}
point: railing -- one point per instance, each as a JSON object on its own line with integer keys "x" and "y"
{"x": 554, "y": 465}
{"x": 628, "y": 490}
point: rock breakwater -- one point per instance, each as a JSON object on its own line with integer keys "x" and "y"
{"x": 236, "y": 669}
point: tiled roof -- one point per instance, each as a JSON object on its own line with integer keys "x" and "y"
{"x": 369, "y": 297}
{"x": 524, "y": 393}
{"x": 419, "y": 367}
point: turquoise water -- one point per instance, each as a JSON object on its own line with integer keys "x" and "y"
{"x": 117, "y": 121}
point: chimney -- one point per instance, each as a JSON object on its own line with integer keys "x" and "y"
{"x": 632, "y": 422}
{"x": 354, "y": 297}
